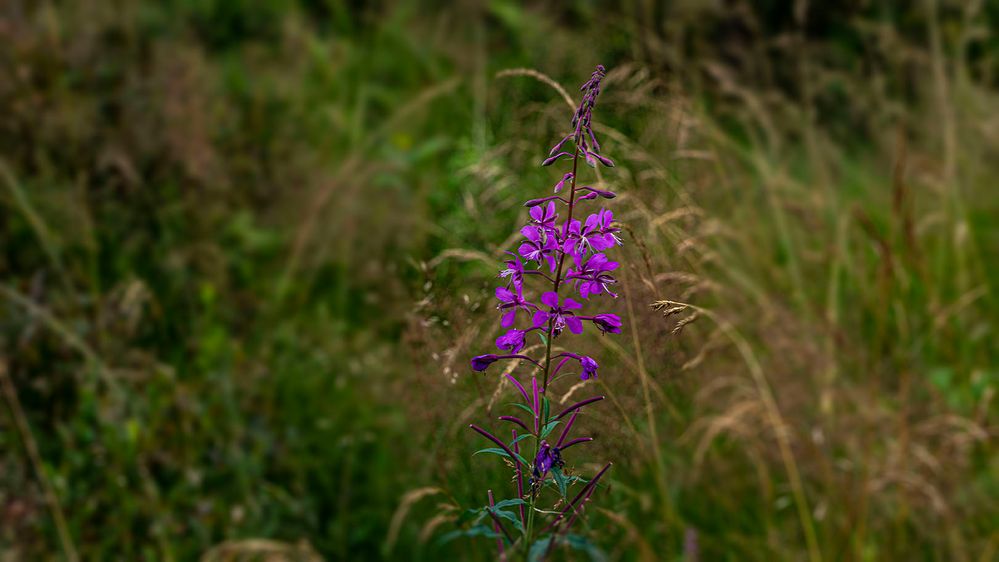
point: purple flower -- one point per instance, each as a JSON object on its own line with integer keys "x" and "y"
{"x": 607, "y": 323}
{"x": 603, "y": 235}
{"x": 511, "y": 301}
{"x": 546, "y": 240}
{"x": 560, "y": 315}
{"x": 576, "y": 240}
{"x": 543, "y": 462}
{"x": 544, "y": 216}
{"x": 514, "y": 270}
{"x": 595, "y": 234}
{"x": 540, "y": 245}
{"x": 592, "y": 276}
{"x": 588, "y": 364}
{"x": 512, "y": 341}
{"x": 546, "y": 458}
{"x": 482, "y": 362}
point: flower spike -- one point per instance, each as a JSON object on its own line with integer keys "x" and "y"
{"x": 561, "y": 263}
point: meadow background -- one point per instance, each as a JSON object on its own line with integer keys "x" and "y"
{"x": 250, "y": 246}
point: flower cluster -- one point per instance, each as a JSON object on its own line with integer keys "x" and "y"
{"x": 566, "y": 255}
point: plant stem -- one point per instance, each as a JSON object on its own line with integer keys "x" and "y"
{"x": 558, "y": 271}
{"x": 548, "y": 341}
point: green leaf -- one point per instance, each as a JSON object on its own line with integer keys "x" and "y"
{"x": 544, "y": 407}
{"x": 515, "y": 519}
{"x": 525, "y": 408}
{"x": 548, "y": 428}
{"x": 560, "y": 480}
{"x": 544, "y": 338}
{"x": 508, "y": 503}
{"x": 500, "y": 452}
{"x": 521, "y": 438}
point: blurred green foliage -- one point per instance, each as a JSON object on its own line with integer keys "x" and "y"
{"x": 226, "y": 314}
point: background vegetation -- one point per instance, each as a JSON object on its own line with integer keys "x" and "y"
{"x": 249, "y": 248}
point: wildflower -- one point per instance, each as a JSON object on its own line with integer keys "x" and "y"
{"x": 603, "y": 233}
{"x": 514, "y": 270}
{"x": 543, "y": 462}
{"x": 544, "y": 217}
{"x": 607, "y": 323}
{"x": 560, "y": 314}
{"x": 512, "y": 341}
{"x": 538, "y": 246}
{"x": 547, "y": 244}
{"x": 592, "y": 276}
{"x": 482, "y": 362}
{"x": 511, "y": 302}
{"x": 588, "y": 365}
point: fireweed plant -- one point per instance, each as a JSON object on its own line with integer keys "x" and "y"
{"x": 566, "y": 259}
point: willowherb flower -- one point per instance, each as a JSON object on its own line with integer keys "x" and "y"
{"x": 565, "y": 256}
{"x": 559, "y": 315}
{"x": 606, "y": 323}
{"x": 511, "y": 302}
{"x": 592, "y": 275}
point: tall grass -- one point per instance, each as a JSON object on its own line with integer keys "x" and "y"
{"x": 215, "y": 345}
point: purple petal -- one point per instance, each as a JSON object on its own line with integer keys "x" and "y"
{"x": 540, "y": 318}
{"x": 504, "y": 294}
{"x": 550, "y": 212}
{"x": 482, "y": 362}
{"x": 531, "y": 232}
{"x": 550, "y": 298}
{"x": 508, "y": 318}
{"x": 575, "y": 324}
{"x": 570, "y": 304}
